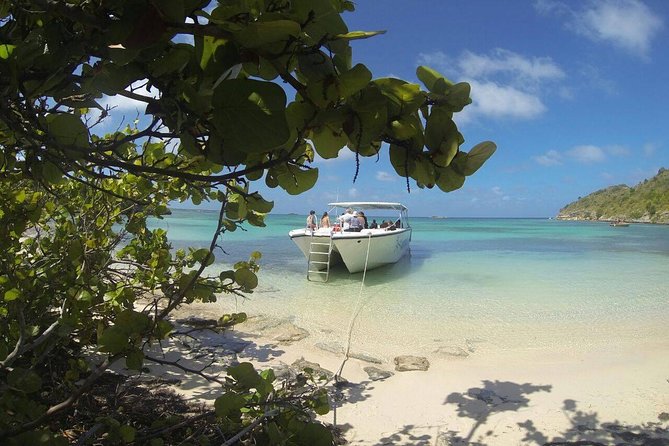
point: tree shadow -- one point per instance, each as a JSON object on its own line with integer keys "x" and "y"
{"x": 480, "y": 403}
{"x": 587, "y": 429}
{"x": 407, "y": 437}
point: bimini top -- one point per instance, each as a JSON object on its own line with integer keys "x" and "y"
{"x": 369, "y": 205}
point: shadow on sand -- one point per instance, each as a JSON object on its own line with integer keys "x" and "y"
{"x": 482, "y": 404}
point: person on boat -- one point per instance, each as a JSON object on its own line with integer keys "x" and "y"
{"x": 325, "y": 220}
{"x": 354, "y": 224}
{"x": 363, "y": 220}
{"x": 345, "y": 219}
{"x": 384, "y": 224}
{"x": 374, "y": 224}
{"x": 311, "y": 220}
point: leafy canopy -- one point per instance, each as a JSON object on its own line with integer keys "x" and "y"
{"x": 230, "y": 93}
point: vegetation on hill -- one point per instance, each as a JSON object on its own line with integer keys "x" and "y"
{"x": 647, "y": 202}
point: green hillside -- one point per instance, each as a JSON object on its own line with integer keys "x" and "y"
{"x": 647, "y": 202}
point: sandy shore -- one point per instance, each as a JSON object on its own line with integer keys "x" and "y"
{"x": 614, "y": 394}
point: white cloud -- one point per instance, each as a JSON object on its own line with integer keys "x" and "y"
{"x": 385, "y": 176}
{"x": 504, "y": 84}
{"x": 550, "y": 158}
{"x": 520, "y": 69}
{"x": 353, "y": 192}
{"x": 502, "y": 101}
{"x": 587, "y": 154}
{"x": 497, "y": 190}
{"x": 626, "y": 24}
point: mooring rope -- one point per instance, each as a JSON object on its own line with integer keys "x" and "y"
{"x": 349, "y": 334}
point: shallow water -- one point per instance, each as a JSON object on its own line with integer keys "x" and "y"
{"x": 469, "y": 285}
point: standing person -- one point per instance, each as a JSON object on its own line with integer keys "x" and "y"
{"x": 325, "y": 220}
{"x": 346, "y": 218}
{"x": 311, "y": 220}
{"x": 355, "y": 224}
{"x": 374, "y": 224}
{"x": 363, "y": 219}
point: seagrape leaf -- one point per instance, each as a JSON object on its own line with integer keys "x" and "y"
{"x": 6, "y": 50}
{"x": 315, "y": 434}
{"x": 259, "y": 204}
{"x": 477, "y": 156}
{"x": 67, "y": 130}
{"x": 132, "y": 322}
{"x": 228, "y": 404}
{"x": 250, "y": 115}
{"x": 401, "y": 160}
{"x": 113, "y": 340}
{"x": 354, "y": 80}
{"x": 203, "y": 256}
{"x": 24, "y": 380}
{"x": 439, "y": 127}
{"x": 448, "y": 179}
{"x": 407, "y": 98}
{"x": 134, "y": 359}
{"x": 175, "y": 60}
{"x": 258, "y": 34}
{"x": 424, "y": 172}
{"x": 458, "y": 96}
{"x": 246, "y": 278}
{"x": 245, "y": 375}
{"x": 295, "y": 180}
{"x": 355, "y": 35}
{"x": 328, "y": 141}
{"x": 433, "y": 80}
{"x": 325, "y": 20}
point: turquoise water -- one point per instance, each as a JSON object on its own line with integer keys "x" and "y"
{"x": 475, "y": 284}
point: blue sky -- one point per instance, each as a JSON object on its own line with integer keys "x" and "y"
{"x": 574, "y": 93}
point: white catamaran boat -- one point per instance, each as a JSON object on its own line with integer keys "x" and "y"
{"x": 359, "y": 250}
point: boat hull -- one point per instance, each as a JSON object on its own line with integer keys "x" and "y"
{"x": 385, "y": 247}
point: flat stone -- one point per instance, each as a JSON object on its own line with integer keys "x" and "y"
{"x": 452, "y": 351}
{"x": 290, "y": 333}
{"x": 365, "y": 357}
{"x": 408, "y": 363}
{"x": 376, "y": 374}
{"x": 302, "y": 364}
{"x": 330, "y": 347}
{"x": 198, "y": 322}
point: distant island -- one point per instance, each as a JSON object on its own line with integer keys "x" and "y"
{"x": 647, "y": 202}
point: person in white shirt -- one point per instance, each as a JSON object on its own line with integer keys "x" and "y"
{"x": 345, "y": 219}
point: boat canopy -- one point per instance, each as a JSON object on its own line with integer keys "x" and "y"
{"x": 369, "y": 205}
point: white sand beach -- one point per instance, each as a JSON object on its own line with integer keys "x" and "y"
{"x": 607, "y": 393}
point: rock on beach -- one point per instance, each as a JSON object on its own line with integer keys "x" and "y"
{"x": 408, "y": 363}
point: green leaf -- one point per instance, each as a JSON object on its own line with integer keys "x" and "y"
{"x": 250, "y": 115}
{"x": 127, "y": 433}
{"x": 405, "y": 97}
{"x": 24, "y": 380}
{"x": 113, "y": 340}
{"x": 295, "y": 180}
{"x": 477, "y": 156}
{"x": 12, "y": 294}
{"x": 259, "y": 34}
{"x": 354, "y": 80}
{"x": 356, "y": 35}
{"x": 402, "y": 162}
{"x": 245, "y": 375}
{"x": 228, "y": 404}
{"x": 257, "y": 203}
{"x": 448, "y": 179}
{"x": 134, "y": 359}
{"x": 246, "y": 278}
{"x": 204, "y": 257}
{"x": 6, "y": 50}
{"x": 315, "y": 434}
{"x": 433, "y": 80}
{"x": 67, "y": 130}
{"x": 132, "y": 322}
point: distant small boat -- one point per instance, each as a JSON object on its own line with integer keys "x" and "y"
{"x": 622, "y": 224}
{"x": 438, "y": 217}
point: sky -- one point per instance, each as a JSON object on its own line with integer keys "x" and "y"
{"x": 574, "y": 93}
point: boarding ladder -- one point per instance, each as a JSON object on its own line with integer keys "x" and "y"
{"x": 317, "y": 258}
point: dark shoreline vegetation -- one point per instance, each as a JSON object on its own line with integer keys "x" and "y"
{"x": 647, "y": 202}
